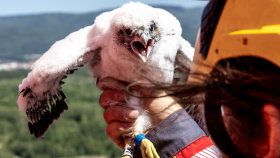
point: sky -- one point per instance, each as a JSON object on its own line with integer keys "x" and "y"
{"x": 27, "y": 7}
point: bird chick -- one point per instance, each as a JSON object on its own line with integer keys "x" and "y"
{"x": 133, "y": 43}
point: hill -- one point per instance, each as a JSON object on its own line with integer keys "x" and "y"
{"x": 21, "y": 36}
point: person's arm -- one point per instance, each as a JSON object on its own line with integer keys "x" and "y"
{"x": 175, "y": 133}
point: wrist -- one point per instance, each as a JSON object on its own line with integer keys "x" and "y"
{"x": 161, "y": 107}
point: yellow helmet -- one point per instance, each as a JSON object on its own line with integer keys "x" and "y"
{"x": 245, "y": 28}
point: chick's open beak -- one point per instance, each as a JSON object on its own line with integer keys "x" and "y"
{"x": 142, "y": 44}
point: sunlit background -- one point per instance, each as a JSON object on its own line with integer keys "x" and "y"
{"x": 27, "y": 29}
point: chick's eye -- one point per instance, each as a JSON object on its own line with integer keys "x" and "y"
{"x": 152, "y": 27}
{"x": 128, "y": 31}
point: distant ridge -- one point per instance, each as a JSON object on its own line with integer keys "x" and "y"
{"x": 23, "y": 35}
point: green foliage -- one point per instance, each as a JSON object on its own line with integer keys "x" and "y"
{"x": 79, "y": 131}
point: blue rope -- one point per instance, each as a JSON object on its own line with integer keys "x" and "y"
{"x": 138, "y": 139}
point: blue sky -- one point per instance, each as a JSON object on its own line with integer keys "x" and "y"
{"x": 23, "y": 7}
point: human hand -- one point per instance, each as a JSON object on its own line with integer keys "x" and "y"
{"x": 120, "y": 119}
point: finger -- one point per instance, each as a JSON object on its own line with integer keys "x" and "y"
{"x": 115, "y": 130}
{"x": 111, "y": 97}
{"x": 120, "y": 113}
